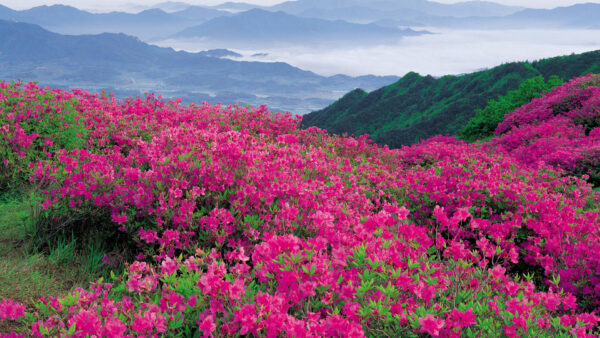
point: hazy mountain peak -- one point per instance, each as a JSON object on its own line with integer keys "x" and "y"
{"x": 174, "y": 6}
{"x": 54, "y": 8}
{"x": 259, "y": 27}
{"x": 461, "y": 9}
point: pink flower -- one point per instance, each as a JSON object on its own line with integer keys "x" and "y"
{"x": 237, "y": 289}
{"x": 133, "y": 283}
{"x": 11, "y": 310}
{"x": 172, "y": 301}
{"x": 207, "y": 325}
{"x": 113, "y": 327}
{"x": 497, "y": 272}
{"x": 11, "y": 335}
{"x": 461, "y": 318}
{"x": 86, "y": 323}
{"x": 247, "y": 318}
{"x": 149, "y": 322}
{"x": 149, "y": 236}
{"x": 510, "y": 331}
{"x": 431, "y": 324}
{"x": 46, "y": 205}
{"x": 169, "y": 266}
{"x": 35, "y": 328}
{"x": 511, "y": 288}
{"x": 569, "y": 302}
{"x": 474, "y": 283}
{"x": 119, "y": 219}
{"x": 191, "y": 302}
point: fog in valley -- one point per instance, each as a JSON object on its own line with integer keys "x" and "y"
{"x": 445, "y": 52}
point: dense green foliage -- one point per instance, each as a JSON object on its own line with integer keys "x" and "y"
{"x": 483, "y": 124}
{"x": 418, "y": 107}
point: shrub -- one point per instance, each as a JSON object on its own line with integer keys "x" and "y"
{"x": 560, "y": 128}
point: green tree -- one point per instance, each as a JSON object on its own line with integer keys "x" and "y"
{"x": 485, "y": 121}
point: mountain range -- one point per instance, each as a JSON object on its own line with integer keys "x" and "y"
{"x": 128, "y": 66}
{"x": 167, "y": 6}
{"x": 258, "y": 27}
{"x": 418, "y": 107}
{"x": 302, "y": 20}
{"x": 405, "y": 13}
{"x": 576, "y": 16}
{"x": 147, "y": 24}
{"x": 461, "y": 9}
{"x": 422, "y": 13}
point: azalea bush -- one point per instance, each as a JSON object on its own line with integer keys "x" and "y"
{"x": 560, "y": 128}
{"x": 236, "y": 222}
{"x": 34, "y": 124}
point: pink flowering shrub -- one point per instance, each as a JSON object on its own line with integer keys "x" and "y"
{"x": 11, "y": 310}
{"x": 245, "y": 225}
{"x": 560, "y": 128}
{"x": 34, "y": 123}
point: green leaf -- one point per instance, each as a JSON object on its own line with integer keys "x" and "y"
{"x": 176, "y": 324}
{"x": 72, "y": 328}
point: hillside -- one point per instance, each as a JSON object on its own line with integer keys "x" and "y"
{"x": 418, "y": 107}
{"x": 232, "y": 221}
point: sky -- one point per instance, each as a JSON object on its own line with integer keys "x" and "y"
{"x": 124, "y": 4}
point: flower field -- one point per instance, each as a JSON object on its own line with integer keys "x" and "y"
{"x": 233, "y": 221}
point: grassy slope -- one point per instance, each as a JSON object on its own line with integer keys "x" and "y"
{"x": 26, "y": 273}
{"x": 417, "y": 107}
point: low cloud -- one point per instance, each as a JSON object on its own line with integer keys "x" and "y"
{"x": 446, "y": 52}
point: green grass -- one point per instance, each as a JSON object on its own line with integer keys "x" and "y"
{"x": 28, "y": 272}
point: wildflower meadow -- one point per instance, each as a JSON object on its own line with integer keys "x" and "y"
{"x": 233, "y": 221}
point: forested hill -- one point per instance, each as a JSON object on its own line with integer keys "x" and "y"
{"x": 417, "y": 107}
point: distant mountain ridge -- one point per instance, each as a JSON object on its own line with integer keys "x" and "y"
{"x": 126, "y": 64}
{"x": 418, "y": 13}
{"x": 147, "y": 24}
{"x": 259, "y": 26}
{"x": 461, "y": 9}
{"x": 418, "y": 107}
{"x": 576, "y": 16}
{"x": 167, "y": 6}
{"x": 366, "y": 11}
{"x": 241, "y": 22}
